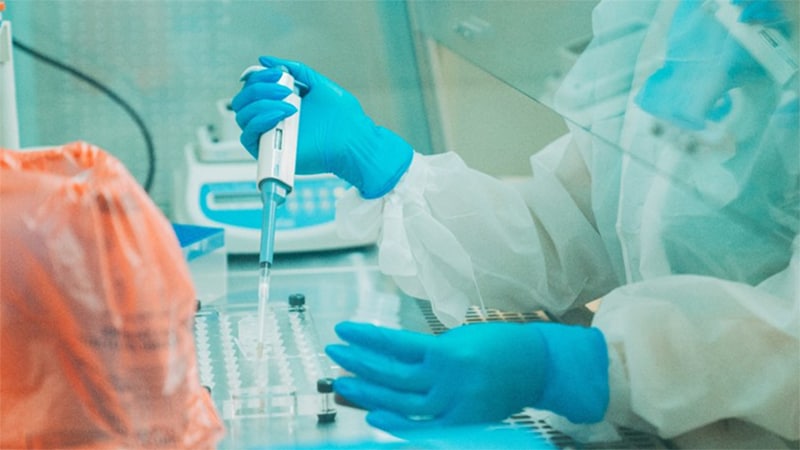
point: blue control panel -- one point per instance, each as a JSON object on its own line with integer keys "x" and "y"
{"x": 311, "y": 202}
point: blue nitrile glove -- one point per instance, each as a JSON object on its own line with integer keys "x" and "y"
{"x": 335, "y": 134}
{"x": 766, "y": 12}
{"x": 477, "y": 373}
{"x": 704, "y": 62}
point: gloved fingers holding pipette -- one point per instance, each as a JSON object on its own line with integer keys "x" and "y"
{"x": 770, "y": 13}
{"x": 260, "y": 106}
{"x": 335, "y": 134}
{"x": 471, "y": 374}
{"x": 710, "y": 52}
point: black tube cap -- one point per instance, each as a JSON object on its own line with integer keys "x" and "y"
{"x": 297, "y": 300}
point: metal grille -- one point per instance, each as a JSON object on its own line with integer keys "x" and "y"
{"x": 475, "y": 315}
{"x": 629, "y": 439}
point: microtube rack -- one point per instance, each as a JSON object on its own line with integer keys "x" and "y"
{"x": 290, "y": 378}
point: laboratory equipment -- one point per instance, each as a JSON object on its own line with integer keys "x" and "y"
{"x": 287, "y": 380}
{"x": 338, "y": 137}
{"x": 277, "y": 152}
{"x": 9, "y": 122}
{"x": 215, "y": 187}
{"x": 327, "y": 410}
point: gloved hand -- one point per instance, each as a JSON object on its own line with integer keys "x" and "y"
{"x": 335, "y": 135}
{"x": 769, "y": 13}
{"x": 471, "y": 374}
{"x": 704, "y": 62}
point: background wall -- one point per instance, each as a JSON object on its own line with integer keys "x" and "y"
{"x": 173, "y": 59}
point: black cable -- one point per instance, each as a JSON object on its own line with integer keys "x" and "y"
{"x": 148, "y": 140}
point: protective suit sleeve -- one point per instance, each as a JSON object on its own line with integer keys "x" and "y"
{"x": 459, "y": 237}
{"x": 670, "y": 343}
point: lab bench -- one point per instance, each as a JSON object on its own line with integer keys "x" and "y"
{"x": 336, "y": 286}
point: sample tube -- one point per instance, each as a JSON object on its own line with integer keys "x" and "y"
{"x": 327, "y": 411}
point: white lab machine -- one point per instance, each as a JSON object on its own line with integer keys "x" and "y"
{"x": 9, "y": 126}
{"x": 216, "y": 186}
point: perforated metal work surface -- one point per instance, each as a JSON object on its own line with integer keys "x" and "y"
{"x": 629, "y": 439}
{"x": 474, "y": 315}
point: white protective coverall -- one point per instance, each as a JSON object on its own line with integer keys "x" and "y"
{"x": 695, "y": 257}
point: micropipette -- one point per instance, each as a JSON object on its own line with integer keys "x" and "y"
{"x": 277, "y": 151}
